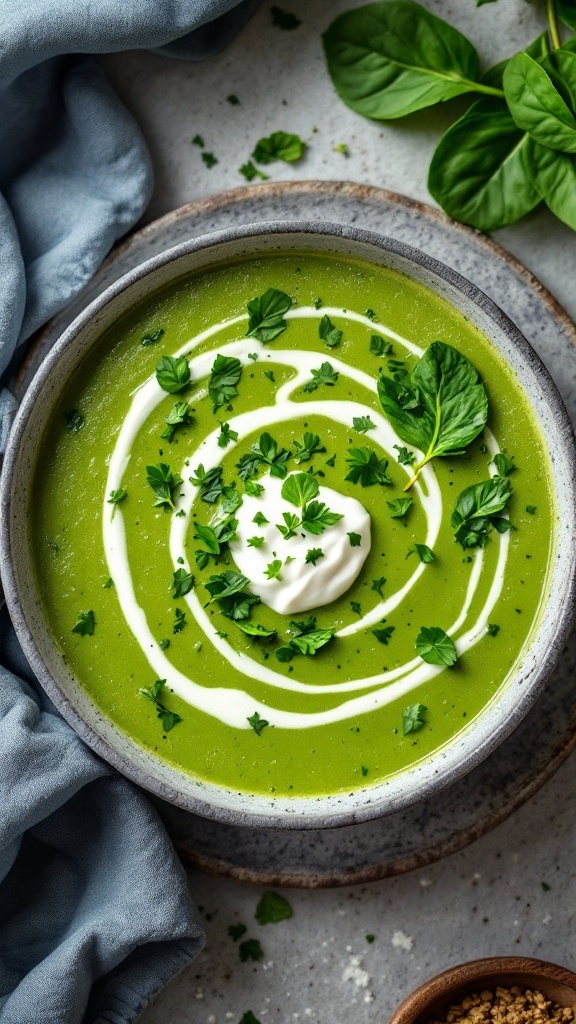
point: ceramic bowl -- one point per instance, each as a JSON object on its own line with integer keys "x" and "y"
{"x": 466, "y": 750}
{"x": 431, "y": 1000}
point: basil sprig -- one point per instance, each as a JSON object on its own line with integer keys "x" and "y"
{"x": 478, "y": 511}
{"x": 440, "y": 407}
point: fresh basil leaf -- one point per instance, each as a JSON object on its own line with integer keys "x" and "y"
{"x": 164, "y": 483}
{"x": 554, "y": 176}
{"x": 378, "y": 346}
{"x": 279, "y": 146}
{"x": 536, "y": 104}
{"x": 399, "y": 507}
{"x": 425, "y": 554}
{"x": 224, "y": 376}
{"x": 566, "y": 10}
{"x": 152, "y": 337}
{"x": 452, "y": 405}
{"x": 298, "y": 488}
{"x": 413, "y": 718}
{"x": 481, "y": 170}
{"x": 476, "y": 508}
{"x": 255, "y": 629}
{"x": 435, "y": 646}
{"x": 266, "y": 452}
{"x": 85, "y": 624}
{"x": 328, "y": 333}
{"x": 308, "y": 447}
{"x": 494, "y": 76}
{"x": 325, "y": 375}
{"x": 503, "y": 464}
{"x": 182, "y": 583}
{"x": 383, "y": 634}
{"x": 172, "y": 373}
{"x": 266, "y": 315}
{"x": 207, "y": 536}
{"x": 258, "y": 724}
{"x": 387, "y": 60}
{"x": 366, "y": 468}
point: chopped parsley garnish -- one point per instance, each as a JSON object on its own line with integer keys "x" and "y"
{"x": 378, "y": 346}
{"x": 284, "y": 19}
{"x": 265, "y": 453}
{"x": 492, "y": 629}
{"x": 298, "y": 488}
{"x": 273, "y": 570}
{"x": 168, "y": 718}
{"x": 316, "y": 517}
{"x": 425, "y": 554}
{"x": 413, "y": 718}
{"x": 308, "y": 447}
{"x": 210, "y": 483}
{"x": 331, "y": 461}
{"x": 399, "y": 507}
{"x": 117, "y": 496}
{"x": 272, "y": 908}
{"x": 324, "y": 375}
{"x": 355, "y": 539}
{"x": 74, "y": 420}
{"x": 249, "y": 1018}
{"x": 250, "y": 172}
{"x": 179, "y": 621}
{"x": 435, "y": 646}
{"x": 209, "y": 538}
{"x": 251, "y": 948}
{"x": 233, "y": 100}
{"x": 209, "y": 159}
{"x": 254, "y": 629}
{"x": 378, "y": 584}
{"x": 152, "y": 337}
{"x": 224, "y": 377}
{"x": 342, "y": 147}
{"x": 370, "y": 314}
{"x": 179, "y": 416}
{"x": 258, "y": 724}
{"x": 229, "y": 590}
{"x": 198, "y": 141}
{"x": 85, "y": 624}
{"x": 255, "y": 542}
{"x": 164, "y": 483}
{"x": 329, "y": 334}
{"x": 226, "y": 435}
{"x": 164, "y": 645}
{"x": 172, "y": 373}
{"x": 362, "y": 424}
{"x": 317, "y": 303}
{"x": 370, "y": 938}
{"x": 504, "y": 465}
{"x": 405, "y": 457}
{"x": 364, "y": 772}
{"x": 292, "y": 522}
{"x": 236, "y": 931}
{"x": 309, "y": 643}
{"x": 383, "y": 634}
{"x": 260, "y": 519}
{"x": 182, "y": 583}
{"x": 356, "y": 607}
{"x": 366, "y": 468}
{"x": 270, "y": 375}
{"x": 531, "y": 509}
{"x": 313, "y": 554}
{"x": 279, "y": 146}
{"x": 477, "y": 511}
{"x": 266, "y": 315}
{"x": 109, "y": 583}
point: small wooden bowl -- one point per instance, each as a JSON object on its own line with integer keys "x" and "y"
{"x": 431, "y": 1000}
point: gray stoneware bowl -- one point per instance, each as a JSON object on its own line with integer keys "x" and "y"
{"x": 488, "y": 730}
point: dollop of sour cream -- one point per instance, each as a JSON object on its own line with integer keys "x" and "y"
{"x": 301, "y": 585}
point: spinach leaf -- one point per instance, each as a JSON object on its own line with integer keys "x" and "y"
{"x": 447, "y": 405}
{"x": 554, "y": 176}
{"x": 537, "y": 105}
{"x": 566, "y": 10}
{"x": 328, "y": 333}
{"x": 390, "y": 59}
{"x": 266, "y": 315}
{"x": 435, "y": 646}
{"x": 477, "y": 509}
{"x": 172, "y": 373}
{"x": 481, "y": 170}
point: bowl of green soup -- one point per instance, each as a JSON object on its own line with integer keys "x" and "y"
{"x": 288, "y": 525}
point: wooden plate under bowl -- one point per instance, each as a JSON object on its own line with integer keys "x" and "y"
{"x": 431, "y": 1000}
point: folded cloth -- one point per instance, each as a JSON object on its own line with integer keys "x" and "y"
{"x": 95, "y": 914}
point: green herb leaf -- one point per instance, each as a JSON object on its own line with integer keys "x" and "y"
{"x": 254, "y": 489}
{"x": 308, "y": 447}
{"x": 366, "y": 468}
{"x": 378, "y": 346}
{"x": 316, "y": 517}
{"x": 260, "y": 519}
{"x": 405, "y": 458}
{"x": 74, "y": 420}
{"x": 554, "y": 175}
{"x": 209, "y": 159}
{"x": 164, "y": 483}
{"x": 210, "y": 483}
{"x": 356, "y": 607}
{"x": 362, "y": 424}
{"x": 355, "y": 539}
{"x": 387, "y": 60}
{"x": 284, "y": 19}
{"x": 292, "y": 523}
{"x": 255, "y": 542}
{"x": 536, "y": 104}
{"x": 233, "y": 100}
{"x": 229, "y": 590}
{"x": 254, "y": 629}
{"x": 309, "y": 643}
{"x": 298, "y": 488}
{"x": 226, "y": 435}
{"x": 413, "y": 718}
{"x": 85, "y": 624}
{"x": 328, "y": 333}
{"x": 172, "y": 374}
{"x": 177, "y": 417}
{"x": 182, "y": 583}
{"x": 266, "y": 315}
{"x": 265, "y": 453}
{"x": 425, "y": 554}
{"x": 503, "y": 464}
{"x": 279, "y": 146}
{"x": 163, "y": 645}
{"x": 492, "y": 629}
{"x": 325, "y": 375}
{"x": 117, "y": 496}
{"x": 435, "y": 646}
{"x": 236, "y": 931}
{"x": 440, "y": 408}
{"x": 179, "y": 621}
{"x": 152, "y": 337}
{"x": 251, "y": 948}
{"x": 531, "y": 509}
{"x": 250, "y": 172}
{"x": 258, "y": 724}
{"x": 378, "y": 584}
{"x": 249, "y": 1018}
{"x": 273, "y": 570}
{"x": 383, "y": 634}
{"x": 477, "y": 511}
{"x": 399, "y": 507}
{"x": 198, "y": 141}
{"x": 284, "y": 654}
{"x": 272, "y": 908}
{"x": 109, "y": 583}
{"x": 207, "y": 536}
{"x": 168, "y": 718}
{"x": 224, "y": 377}
{"x": 313, "y": 554}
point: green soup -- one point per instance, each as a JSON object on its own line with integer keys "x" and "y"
{"x": 116, "y": 544}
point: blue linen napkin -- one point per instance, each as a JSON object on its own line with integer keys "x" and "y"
{"x": 95, "y": 914}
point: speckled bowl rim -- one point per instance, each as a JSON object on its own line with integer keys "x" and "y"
{"x": 480, "y": 738}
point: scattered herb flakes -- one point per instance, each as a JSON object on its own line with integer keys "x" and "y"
{"x": 172, "y": 373}
{"x": 279, "y": 146}
{"x": 179, "y": 621}
{"x": 210, "y": 483}
{"x": 255, "y": 542}
{"x": 168, "y": 718}
{"x": 226, "y": 435}
{"x": 370, "y": 938}
{"x": 399, "y": 507}
{"x": 545, "y": 886}
{"x": 224, "y": 376}
{"x": 356, "y": 607}
{"x": 405, "y": 457}
{"x": 236, "y": 931}
{"x": 164, "y": 644}
{"x": 477, "y": 509}
{"x": 413, "y": 718}
{"x": 266, "y": 452}
{"x": 254, "y": 489}
{"x": 425, "y": 554}
{"x": 152, "y": 337}
{"x": 342, "y": 147}
{"x": 313, "y": 554}
{"x": 504, "y": 465}
{"x": 272, "y": 908}
{"x": 383, "y": 634}
{"x": 317, "y": 303}
{"x": 362, "y": 423}
{"x": 370, "y": 314}
{"x": 531, "y": 509}
{"x": 355, "y": 539}
{"x": 378, "y": 346}
{"x": 258, "y": 724}
{"x": 233, "y": 100}
{"x": 182, "y": 583}
{"x": 178, "y": 416}
{"x": 250, "y": 172}
{"x": 85, "y": 624}
{"x": 324, "y": 375}
{"x": 284, "y": 19}
{"x": 249, "y": 1018}
{"x": 198, "y": 141}
{"x": 284, "y": 654}
{"x": 492, "y": 629}
{"x": 250, "y": 950}
{"x": 260, "y": 519}
{"x": 74, "y": 420}
{"x": 435, "y": 646}
{"x": 209, "y": 159}
{"x": 364, "y": 771}
{"x": 366, "y": 468}
{"x": 117, "y": 496}
{"x": 164, "y": 483}
{"x": 273, "y": 570}
{"x": 109, "y": 583}
{"x": 266, "y": 315}
{"x": 329, "y": 334}
{"x": 378, "y": 584}
{"x": 331, "y": 461}
{"x": 308, "y": 447}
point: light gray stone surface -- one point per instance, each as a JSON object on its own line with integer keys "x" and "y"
{"x": 489, "y": 898}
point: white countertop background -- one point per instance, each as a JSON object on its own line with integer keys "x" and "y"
{"x": 488, "y": 899}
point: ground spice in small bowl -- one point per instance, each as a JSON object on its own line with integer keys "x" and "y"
{"x": 512, "y": 1005}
